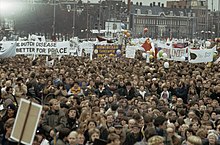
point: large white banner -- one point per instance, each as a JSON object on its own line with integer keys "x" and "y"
{"x": 178, "y": 54}
{"x": 42, "y": 48}
{"x": 200, "y": 56}
{"x": 7, "y": 49}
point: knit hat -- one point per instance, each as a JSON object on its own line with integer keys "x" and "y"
{"x": 11, "y": 106}
{"x": 155, "y": 140}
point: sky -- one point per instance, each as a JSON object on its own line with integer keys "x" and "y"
{"x": 147, "y": 2}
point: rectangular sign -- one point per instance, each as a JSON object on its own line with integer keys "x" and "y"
{"x": 106, "y": 50}
{"x": 200, "y": 56}
{"x": 42, "y": 48}
{"x": 32, "y": 119}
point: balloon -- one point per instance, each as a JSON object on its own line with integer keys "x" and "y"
{"x": 125, "y": 32}
{"x": 145, "y": 30}
{"x": 118, "y": 52}
{"x": 144, "y": 55}
{"x": 122, "y": 25}
{"x": 128, "y": 34}
{"x": 164, "y": 55}
{"x": 183, "y": 58}
{"x": 160, "y": 53}
{"x": 111, "y": 55}
{"x": 215, "y": 54}
{"x": 207, "y": 44}
{"x": 166, "y": 65}
{"x": 151, "y": 56}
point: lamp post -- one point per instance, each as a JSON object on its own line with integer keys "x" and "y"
{"x": 69, "y": 9}
{"x": 54, "y": 18}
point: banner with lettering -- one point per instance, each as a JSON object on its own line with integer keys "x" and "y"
{"x": 7, "y": 49}
{"x": 178, "y": 54}
{"x": 200, "y": 56}
{"x": 42, "y": 48}
{"x": 102, "y": 50}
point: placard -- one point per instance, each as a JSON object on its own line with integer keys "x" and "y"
{"x": 30, "y": 111}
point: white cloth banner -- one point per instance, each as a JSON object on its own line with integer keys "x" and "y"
{"x": 7, "y": 49}
{"x": 177, "y": 54}
{"x": 200, "y": 56}
{"x": 42, "y": 48}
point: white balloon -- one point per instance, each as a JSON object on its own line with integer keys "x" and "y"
{"x": 164, "y": 55}
{"x": 183, "y": 58}
{"x": 166, "y": 65}
{"x": 144, "y": 55}
{"x": 207, "y": 44}
{"x": 118, "y": 51}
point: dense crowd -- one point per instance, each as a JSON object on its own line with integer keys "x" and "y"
{"x": 113, "y": 101}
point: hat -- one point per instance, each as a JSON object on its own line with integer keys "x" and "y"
{"x": 118, "y": 126}
{"x": 11, "y": 106}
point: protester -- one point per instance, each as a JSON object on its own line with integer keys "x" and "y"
{"x": 124, "y": 100}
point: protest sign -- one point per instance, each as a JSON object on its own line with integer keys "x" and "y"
{"x": 26, "y": 122}
{"x": 102, "y": 50}
{"x": 201, "y": 55}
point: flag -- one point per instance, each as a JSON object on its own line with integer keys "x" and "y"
{"x": 147, "y": 45}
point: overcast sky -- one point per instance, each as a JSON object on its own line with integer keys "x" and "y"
{"x": 147, "y": 2}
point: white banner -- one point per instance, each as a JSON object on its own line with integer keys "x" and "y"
{"x": 7, "y": 49}
{"x": 42, "y": 48}
{"x": 200, "y": 56}
{"x": 177, "y": 54}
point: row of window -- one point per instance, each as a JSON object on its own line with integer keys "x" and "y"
{"x": 161, "y": 22}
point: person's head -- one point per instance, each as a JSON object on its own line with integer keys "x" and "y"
{"x": 54, "y": 104}
{"x": 94, "y": 133}
{"x": 11, "y": 110}
{"x": 212, "y": 137}
{"x": 114, "y": 139}
{"x": 118, "y": 128}
{"x": 72, "y": 113}
{"x": 155, "y": 140}
{"x": 149, "y": 132}
{"x": 72, "y": 138}
{"x": 160, "y": 122}
{"x": 136, "y": 128}
{"x": 80, "y": 138}
{"x": 8, "y": 125}
{"x": 194, "y": 140}
{"x": 91, "y": 124}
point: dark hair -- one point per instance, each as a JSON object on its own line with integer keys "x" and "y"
{"x": 159, "y": 121}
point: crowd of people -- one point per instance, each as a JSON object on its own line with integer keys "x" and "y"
{"x": 113, "y": 101}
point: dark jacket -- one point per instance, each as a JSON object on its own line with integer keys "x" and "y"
{"x": 128, "y": 94}
{"x": 54, "y": 120}
{"x": 131, "y": 139}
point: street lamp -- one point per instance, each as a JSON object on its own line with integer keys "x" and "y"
{"x": 69, "y": 9}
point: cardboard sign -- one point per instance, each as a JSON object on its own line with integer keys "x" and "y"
{"x": 26, "y": 122}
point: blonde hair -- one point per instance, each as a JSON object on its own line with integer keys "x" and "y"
{"x": 155, "y": 140}
{"x": 73, "y": 133}
{"x": 195, "y": 140}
